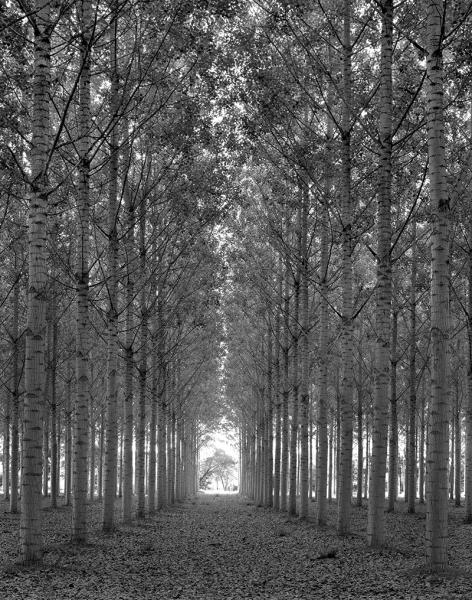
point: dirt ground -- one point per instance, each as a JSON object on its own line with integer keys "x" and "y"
{"x": 225, "y": 548}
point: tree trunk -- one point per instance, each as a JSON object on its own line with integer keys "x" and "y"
{"x": 457, "y": 450}
{"x": 143, "y": 366}
{"x": 128, "y": 404}
{"x": 421, "y": 453}
{"x": 68, "y": 437}
{"x": 468, "y": 404}
{"x": 344, "y": 493}
{"x": 292, "y": 498}
{"x": 437, "y": 504}
{"x": 81, "y": 423}
{"x": 268, "y": 418}
{"x": 393, "y": 437}
{"x": 304, "y": 354}
{"x": 285, "y": 385}
{"x": 360, "y": 443}
{"x": 30, "y": 525}
{"x": 376, "y": 511}
{"x": 15, "y": 405}
{"x": 330, "y": 463}
{"x": 6, "y": 448}
{"x": 92, "y": 461}
{"x": 322, "y": 420}
{"x": 411, "y": 449}
{"x": 277, "y": 392}
{"x": 111, "y": 440}
{"x": 45, "y": 445}
{"x": 161, "y": 415}
{"x": 153, "y": 430}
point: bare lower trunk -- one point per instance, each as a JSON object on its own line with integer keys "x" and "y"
{"x": 68, "y": 438}
{"x": 421, "y": 452}
{"x": 292, "y": 498}
{"x": 468, "y": 403}
{"x": 277, "y": 393}
{"x": 285, "y": 388}
{"x": 153, "y": 433}
{"x": 393, "y": 437}
{"x": 304, "y": 355}
{"x": 143, "y": 365}
{"x": 161, "y": 415}
{"x": 15, "y": 402}
{"x": 457, "y": 451}
{"x": 360, "y": 442}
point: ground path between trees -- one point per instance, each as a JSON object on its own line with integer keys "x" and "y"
{"x": 224, "y": 548}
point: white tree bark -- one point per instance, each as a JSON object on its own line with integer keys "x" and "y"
{"x": 344, "y": 491}
{"x": 437, "y": 497}
{"x": 111, "y": 424}
{"x": 30, "y": 524}
{"x": 81, "y": 425}
{"x": 376, "y": 512}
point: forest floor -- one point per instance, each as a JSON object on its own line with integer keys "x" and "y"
{"x": 224, "y": 548}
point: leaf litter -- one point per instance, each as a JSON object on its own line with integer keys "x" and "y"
{"x": 225, "y": 548}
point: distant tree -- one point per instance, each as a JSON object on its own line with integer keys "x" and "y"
{"x": 219, "y": 467}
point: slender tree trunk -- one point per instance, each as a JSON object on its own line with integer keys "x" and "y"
{"x": 68, "y": 438}
{"x": 45, "y": 445}
{"x": 367, "y": 457}
{"x": 102, "y": 457}
{"x": 437, "y": 504}
{"x": 468, "y": 405}
{"x": 285, "y": 387}
{"x": 6, "y": 449}
{"x": 92, "y": 461}
{"x": 111, "y": 452}
{"x": 268, "y": 418}
{"x": 153, "y": 431}
{"x": 81, "y": 424}
{"x": 277, "y": 393}
{"x": 360, "y": 442}
{"x": 30, "y": 525}
{"x": 292, "y": 499}
{"x": 411, "y": 471}
{"x": 451, "y": 467}
{"x": 422, "y": 440}
{"x": 128, "y": 404}
{"x": 161, "y": 415}
{"x": 15, "y": 404}
{"x": 54, "y": 431}
{"x": 376, "y": 511}
{"x": 457, "y": 450}
{"x": 143, "y": 366}
{"x": 393, "y": 437}
{"x": 304, "y": 354}
{"x": 344, "y": 493}
{"x": 330, "y": 463}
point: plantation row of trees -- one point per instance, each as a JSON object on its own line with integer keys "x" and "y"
{"x": 349, "y": 298}
{"x": 112, "y": 190}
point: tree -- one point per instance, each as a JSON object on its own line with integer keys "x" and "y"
{"x": 218, "y": 467}
{"x": 31, "y": 536}
{"x": 79, "y": 484}
{"x": 437, "y": 496}
{"x": 376, "y": 526}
